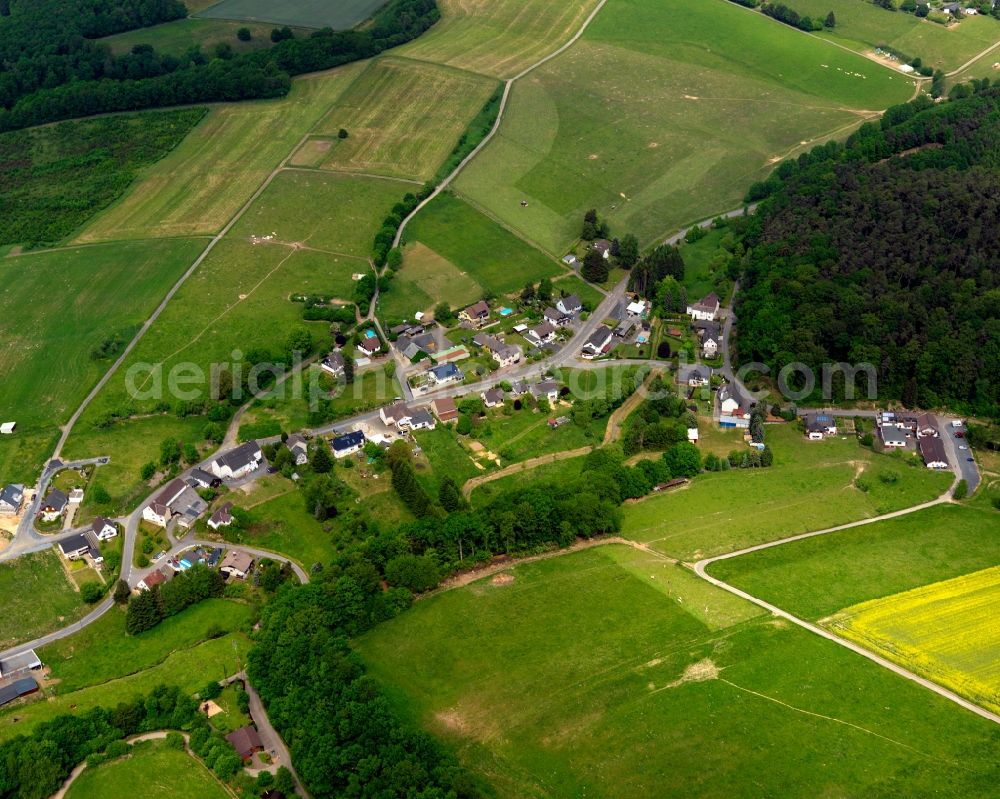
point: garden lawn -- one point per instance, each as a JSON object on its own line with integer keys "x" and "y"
{"x": 211, "y": 175}
{"x": 333, "y": 213}
{"x": 163, "y": 773}
{"x": 300, "y": 13}
{"x": 231, "y": 718}
{"x": 445, "y": 456}
{"x": 645, "y": 121}
{"x": 480, "y": 248}
{"x": 571, "y": 284}
{"x": 37, "y": 598}
{"x": 545, "y": 692}
{"x": 403, "y": 119}
{"x": 819, "y": 576}
{"x": 91, "y": 293}
{"x": 865, "y": 26}
{"x": 424, "y": 280}
{"x": 190, "y": 669}
{"x": 499, "y": 37}
{"x": 809, "y": 488}
{"x": 102, "y": 651}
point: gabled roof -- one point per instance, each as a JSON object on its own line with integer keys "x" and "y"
{"x": 12, "y": 494}
{"x": 487, "y": 342}
{"x": 553, "y": 314}
{"x": 544, "y": 330}
{"x": 222, "y": 515}
{"x": 398, "y": 410}
{"x": 709, "y": 302}
{"x": 422, "y": 418}
{"x": 55, "y": 499}
{"x": 932, "y": 450}
{"x": 477, "y": 309}
{"x": 238, "y": 560}
{"x": 241, "y": 457}
{"x": 892, "y": 434}
{"x": 544, "y": 388}
{"x": 202, "y": 477}
{"x": 493, "y": 396}
{"x": 348, "y": 441}
{"x": 296, "y": 441}
{"x": 570, "y": 301}
{"x": 245, "y": 741}
{"x": 602, "y": 245}
{"x": 445, "y": 370}
{"x": 370, "y": 345}
{"x": 445, "y": 408}
{"x": 100, "y": 523}
{"x": 599, "y": 338}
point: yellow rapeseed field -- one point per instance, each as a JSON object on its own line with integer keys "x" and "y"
{"x": 948, "y": 632}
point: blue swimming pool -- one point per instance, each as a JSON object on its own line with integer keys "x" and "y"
{"x": 506, "y": 311}
{"x": 369, "y": 334}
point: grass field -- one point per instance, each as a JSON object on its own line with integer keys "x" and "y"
{"x": 560, "y": 470}
{"x": 37, "y": 598}
{"x": 655, "y": 127}
{"x": 499, "y": 37}
{"x": 101, "y": 651}
{"x": 445, "y": 456}
{"x": 426, "y": 279}
{"x": 496, "y": 259}
{"x": 662, "y": 688}
{"x": 808, "y": 488}
{"x": 701, "y": 274}
{"x": 212, "y": 173}
{"x": 864, "y": 26}
{"x": 403, "y": 118}
{"x": 45, "y": 363}
{"x": 333, "y": 213}
{"x": 298, "y": 13}
{"x": 178, "y": 36}
{"x": 818, "y": 577}
{"x": 945, "y": 631}
{"x": 188, "y": 668}
{"x": 163, "y": 773}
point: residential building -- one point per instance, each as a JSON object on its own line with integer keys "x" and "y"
{"x": 238, "y": 462}
{"x": 819, "y": 425}
{"x": 544, "y": 333}
{"x": 199, "y": 478}
{"x": 570, "y": 261}
{"x": 444, "y": 373}
{"x": 519, "y": 388}
{"x": 493, "y": 398}
{"x": 158, "y": 510}
{"x": 569, "y": 305}
{"x": 53, "y": 506}
{"x": 932, "y": 451}
{"x": 369, "y": 345}
{"x": 445, "y": 409}
{"x": 222, "y": 517}
{"x": 333, "y": 364}
{"x": 78, "y": 546}
{"x": 236, "y": 564}
{"x": 694, "y": 375}
{"x": 154, "y": 578}
{"x": 507, "y": 355}
{"x": 547, "y": 390}
{"x": 397, "y": 414}
{"x": 476, "y": 315}
{"x": 348, "y": 444}
{"x": 299, "y": 448}
{"x": 422, "y": 420}
{"x": 246, "y": 742}
{"x": 638, "y": 309}
{"x": 103, "y": 529}
{"x": 734, "y": 409}
{"x": 599, "y": 343}
{"x": 603, "y": 246}
{"x": 927, "y": 426}
{"x": 706, "y": 308}
{"x": 892, "y": 436}
{"x": 11, "y": 499}
{"x": 556, "y": 318}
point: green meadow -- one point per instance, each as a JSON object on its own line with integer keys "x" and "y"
{"x": 426, "y": 279}
{"x": 178, "y": 36}
{"x": 297, "y": 13}
{"x": 663, "y": 687}
{"x": 811, "y": 486}
{"x": 664, "y": 113}
{"x": 37, "y": 596}
{"x": 817, "y": 577}
{"x": 163, "y": 773}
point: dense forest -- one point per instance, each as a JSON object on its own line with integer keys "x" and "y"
{"x": 51, "y": 70}
{"x": 886, "y": 250}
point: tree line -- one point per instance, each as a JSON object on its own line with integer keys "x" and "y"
{"x": 51, "y": 71}
{"x": 882, "y": 251}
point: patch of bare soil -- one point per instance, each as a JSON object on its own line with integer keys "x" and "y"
{"x": 702, "y": 671}
{"x": 502, "y": 579}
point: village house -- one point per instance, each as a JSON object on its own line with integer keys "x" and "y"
{"x": 734, "y": 409}
{"x": 599, "y": 343}
{"x": 53, "y": 506}
{"x": 547, "y": 390}
{"x": 545, "y": 333}
{"x": 222, "y": 517}
{"x": 78, "y": 546}
{"x": 154, "y": 578}
{"x": 236, "y": 564}
{"x": 926, "y": 426}
{"x": 932, "y": 451}
{"x": 892, "y": 436}
{"x": 422, "y": 420}
{"x": 333, "y": 364}
{"x": 246, "y": 742}
{"x": 396, "y": 415}
{"x": 820, "y": 425}
{"x": 694, "y": 375}
{"x": 158, "y": 511}
{"x": 412, "y": 347}
{"x": 556, "y": 318}
{"x": 444, "y": 373}
{"x": 11, "y": 499}
{"x": 493, "y": 398}
{"x": 476, "y": 315}
{"x": 638, "y": 309}
{"x": 348, "y": 443}
{"x": 503, "y": 354}
{"x": 369, "y": 345}
{"x": 239, "y": 462}
{"x": 570, "y": 261}
{"x": 103, "y": 529}
{"x": 199, "y": 478}
{"x": 569, "y": 305}
{"x": 299, "y": 448}
{"x": 519, "y": 388}
{"x": 445, "y": 409}
{"x": 706, "y": 308}
{"x": 603, "y": 246}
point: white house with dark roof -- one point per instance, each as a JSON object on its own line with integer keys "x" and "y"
{"x": 159, "y": 511}
{"x": 599, "y": 343}
{"x": 556, "y": 317}
{"x": 238, "y": 462}
{"x": 734, "y": 409}
{"x": 222, "y": 517}
{"x": 707, "y": 308}
{"x": 892, "y": 436}
{"x": 348, "y": 444}
{"x": 199, "y": 478}
{"x": 545, "y": 333}
{"x": 569, "y": 305}
{"x": 369, "y": 345}
{"x": 547, "y": 390}
{"x": 80, "y": 545}
{"x": 333, "y": 364}
{"x": 819, "y": 425}
{"x": 493, "y": 398}
{"x": 299, "y": 448}
{"x": 396, "y": 415}
{"x": 477, "y": 314}
{"x": 422, "y": 420}
{"x": 932, "y": 451}
{"x": 103, "y": 529}
{"x": 694, "y": 375}
{"x": 53, "y": 506}
{"x": 603, "y": 246}
{"x": 11, "y": 499}
{"x": 444, "y": 373}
